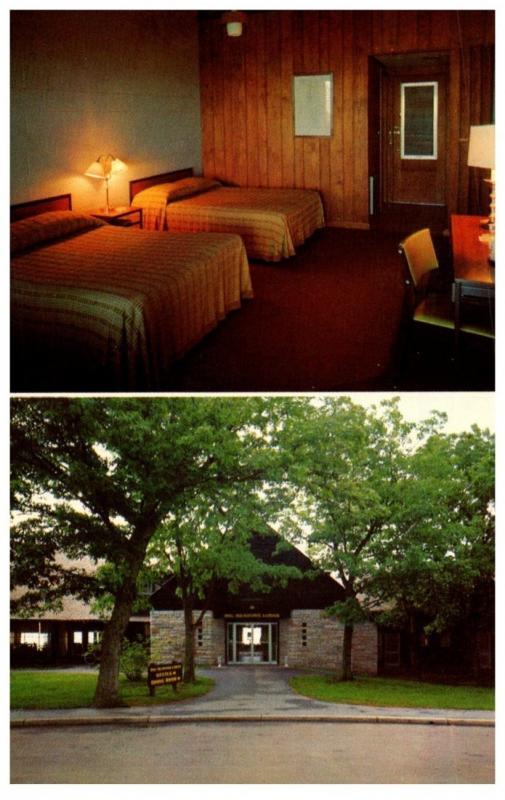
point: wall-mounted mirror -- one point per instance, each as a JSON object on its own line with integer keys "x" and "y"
{"x": 313, "y": 104}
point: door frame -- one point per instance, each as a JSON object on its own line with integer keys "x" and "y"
{"x": 253, "y": 623}
{"x": 421, "y": 64}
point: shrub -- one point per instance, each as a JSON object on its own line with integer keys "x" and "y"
{"x": 133, "y": 659}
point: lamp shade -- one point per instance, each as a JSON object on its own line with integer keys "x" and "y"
{"x": 117, "y": 165}
{"x": 481, "y": 146}
{"x": 105, "y": 166}
{"x": 95, "y": 170}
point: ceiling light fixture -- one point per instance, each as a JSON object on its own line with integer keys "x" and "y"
{"x": 234, "y": 21}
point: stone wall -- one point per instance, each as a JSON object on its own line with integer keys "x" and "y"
{"x": 365, "y": 647}
{"x": 310, "y": 640}
{"x": 167, "y": 638}
{"x": 307, "y": 640}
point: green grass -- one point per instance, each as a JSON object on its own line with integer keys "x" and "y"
{"x": 393, "y": 692}
{"x": 31, "y": 689}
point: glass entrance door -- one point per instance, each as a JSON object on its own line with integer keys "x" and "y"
{"x": 252, "y": 642}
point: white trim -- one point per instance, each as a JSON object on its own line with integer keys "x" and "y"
{"x": 434, "y": 156}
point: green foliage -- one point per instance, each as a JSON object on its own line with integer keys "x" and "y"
{"x": 401, "y": 513}
{"x": 134, "y": 659}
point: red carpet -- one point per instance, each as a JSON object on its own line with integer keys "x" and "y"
{"x": 327, "y": 319}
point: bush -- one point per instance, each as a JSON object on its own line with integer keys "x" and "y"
{"x": 134, "y": 659}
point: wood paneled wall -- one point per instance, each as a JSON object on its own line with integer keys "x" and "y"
{"x": 246, "y": 96}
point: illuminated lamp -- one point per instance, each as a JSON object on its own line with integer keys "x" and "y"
{"x": 234, "y": 21}
{"x": 104, "y": 167}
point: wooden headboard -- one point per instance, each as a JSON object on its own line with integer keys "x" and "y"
{"x": 60, "y": 202}
{"x": 165, "y": 177}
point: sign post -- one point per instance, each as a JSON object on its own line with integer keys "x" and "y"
{"x": 162, "y": 675}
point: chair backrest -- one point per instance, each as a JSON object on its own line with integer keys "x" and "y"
{"x": 419, "y": 254}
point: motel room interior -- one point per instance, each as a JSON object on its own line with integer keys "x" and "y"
{"x": 382, "y": 119}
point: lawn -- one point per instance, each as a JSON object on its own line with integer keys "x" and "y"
{"x": 393, "y": 692}
{"x": 33, "y": 689}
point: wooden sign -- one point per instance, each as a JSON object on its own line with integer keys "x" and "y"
{"x": 163, "y": 675}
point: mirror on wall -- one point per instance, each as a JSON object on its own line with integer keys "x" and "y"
{"x": 313, "y": 104}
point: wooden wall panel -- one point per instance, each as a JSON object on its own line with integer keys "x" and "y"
{"x": 287, "y": 125}
{"x": 246, "y": 94}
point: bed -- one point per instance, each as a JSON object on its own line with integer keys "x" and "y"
{"x": 98, "y": 307}
{"x": 271, "y": 222}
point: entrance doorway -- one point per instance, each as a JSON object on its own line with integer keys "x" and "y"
{"x": 252, "y": 642}
{"x": 408, "y": 141}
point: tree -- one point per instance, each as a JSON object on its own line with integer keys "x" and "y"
{"x": 99, "y": 477}
{"x": 439, "y": 562}
{"x": 370, "y": 486}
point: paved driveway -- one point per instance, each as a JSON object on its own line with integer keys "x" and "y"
{"x": 251, "y": 691}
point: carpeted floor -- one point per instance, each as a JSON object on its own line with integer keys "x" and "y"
{"x": 327, "y": 319}
{"x": 330, "y": 319}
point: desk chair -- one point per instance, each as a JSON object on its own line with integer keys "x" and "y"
{"x": 433, "y": 304}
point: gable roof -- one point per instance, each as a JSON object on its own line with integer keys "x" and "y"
{"x": 315, "y": 590}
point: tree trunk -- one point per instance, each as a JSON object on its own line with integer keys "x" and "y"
{"x": 413, "y": 646}
{"x": 189, "y": 643}
{"x": 107, "y": 687}
{"x": 347, "y": 652}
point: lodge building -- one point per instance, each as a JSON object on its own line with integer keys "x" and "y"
{"x": 286, "y": 626}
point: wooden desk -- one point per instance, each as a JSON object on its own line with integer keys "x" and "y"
{"x": 474, "y": 275}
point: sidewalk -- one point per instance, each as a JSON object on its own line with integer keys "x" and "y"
{"x": 252, "y": 694}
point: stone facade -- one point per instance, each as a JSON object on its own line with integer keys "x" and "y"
{"x": 307, "y": 640}
{"x": 310, "y": 640}
{"x": 365, "y": 649}
{"x": 167, "y": 638}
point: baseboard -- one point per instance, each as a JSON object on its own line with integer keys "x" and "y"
{"x": 361, "y": 226}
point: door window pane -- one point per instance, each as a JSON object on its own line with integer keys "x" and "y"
{"x": 419, "y": 120}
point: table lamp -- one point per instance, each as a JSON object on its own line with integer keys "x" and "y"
{"x": 481, "y": 154}
{"x": 104, "y": 167}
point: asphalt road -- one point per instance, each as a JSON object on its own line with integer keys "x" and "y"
{"x": 254, "y": 753}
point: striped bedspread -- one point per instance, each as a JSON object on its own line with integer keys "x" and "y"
{"x": 271, "y": 222}
{"x": 122, "y": 301}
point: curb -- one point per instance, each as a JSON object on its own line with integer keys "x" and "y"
{"x": 147, "y": 721}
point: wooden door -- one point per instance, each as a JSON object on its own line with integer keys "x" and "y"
{"x": 414, "y": 138}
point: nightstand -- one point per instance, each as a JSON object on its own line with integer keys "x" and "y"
{"x": 124, "y": 216}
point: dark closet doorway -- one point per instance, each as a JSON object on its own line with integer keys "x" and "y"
{"x": 408, "y": 141}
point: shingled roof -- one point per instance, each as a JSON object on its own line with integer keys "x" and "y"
{"x": 315, "y": 589}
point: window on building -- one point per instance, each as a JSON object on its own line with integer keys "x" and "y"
{"x": 484, "y": 643}
{"x": 392, "y": 652}
{"x": 145, "y": 586}
{"x": 304, "y": 634}
{"x": 77, "y": 637}
{"x": 199, "y": 636}
{"x": 94, "y": 637}
{"x": 40, "y": 640}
